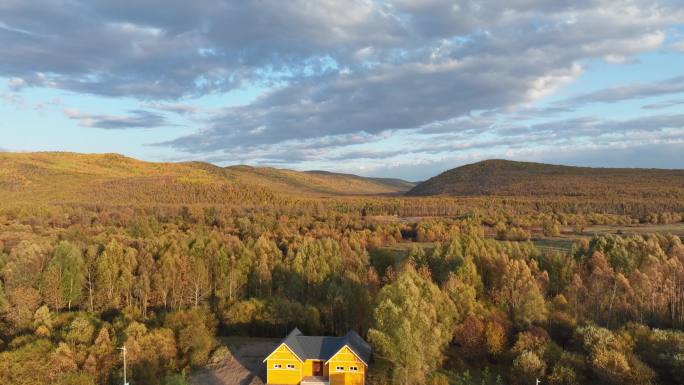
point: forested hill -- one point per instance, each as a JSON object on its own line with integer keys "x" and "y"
{"x": 399, "y": 184}
{"x": 56, "y": 177}
{"x": 510, "y": 178}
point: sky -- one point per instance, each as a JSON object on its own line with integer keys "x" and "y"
{"x": 396, "y": 88}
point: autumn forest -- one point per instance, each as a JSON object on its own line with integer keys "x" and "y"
{"x": 480, "y": 287}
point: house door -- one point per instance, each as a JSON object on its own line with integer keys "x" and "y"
{"x": 317, "y": 368}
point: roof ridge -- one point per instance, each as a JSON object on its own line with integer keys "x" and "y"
{"x": 324, "y": 347}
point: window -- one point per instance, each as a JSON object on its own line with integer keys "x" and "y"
{"x": 277, "y": 366}
{"x": 290, "y": 366}
{"x": 353, "y": 369}
{"x": 339, "y": 368}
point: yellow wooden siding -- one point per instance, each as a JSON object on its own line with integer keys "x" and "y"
{"x": 308, "y": 368}
{"x": 283, "y": 375}
{"x": 346, "y": 378}
{"x": 345, "y": 358}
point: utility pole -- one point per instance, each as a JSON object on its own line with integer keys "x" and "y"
{"x": 124, "y": 360}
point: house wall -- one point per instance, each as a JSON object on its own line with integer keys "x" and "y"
{"x": 283, "y": 356}
{"x": 308, "y": 368}
{"x": 346, "y": 359}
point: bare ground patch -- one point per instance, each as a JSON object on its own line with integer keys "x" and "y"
{"x": 245, "y": 368}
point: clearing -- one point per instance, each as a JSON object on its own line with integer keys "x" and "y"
{"x": 392, "y": 255}
{"x": 244, "y": 368}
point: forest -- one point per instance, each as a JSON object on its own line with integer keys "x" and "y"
{"x": 447, "y": 290}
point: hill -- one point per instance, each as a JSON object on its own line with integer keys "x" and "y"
{"x": 56, "y": 177}
{"x": 510, "y": 178}
{"x": 314, "y": 183}
{"x": 399, "y": 184}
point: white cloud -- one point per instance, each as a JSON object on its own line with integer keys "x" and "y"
{"x": 343, "y": 72}
{"x": 678, "y": 46}
{"x": 16, "y": 84}
{"x": 134, "y": 119}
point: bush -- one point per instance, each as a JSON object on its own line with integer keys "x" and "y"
{"x": 76, "y": 378}
{"x": 511, "y": 233}
{"x": 551, "y": 229}
{"x": 495, "y": 337}
{"x": 175, "y": 379}
{"x": 563, "y": 375}
{"x": 194, "y": 337}
{"x": 527, "y": 367}
{"x": 438, "y": 379}
{"x": 220, "y": 355}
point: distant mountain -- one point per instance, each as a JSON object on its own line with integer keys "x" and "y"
{"x": 115, "y": 179}
{"x": 399, "y": 185}
{"x": 317, "y": 182}
{"x": 510, "y": 178}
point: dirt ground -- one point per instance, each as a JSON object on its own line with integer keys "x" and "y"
{"x": 245, "y": 368}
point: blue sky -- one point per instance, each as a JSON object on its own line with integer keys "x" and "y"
{"x": 396, "y": 88}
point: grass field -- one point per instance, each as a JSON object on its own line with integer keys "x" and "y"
{"x": 557, "y": 244}
{"x": 566, "y": 240}
{"x": 673, "y": 228}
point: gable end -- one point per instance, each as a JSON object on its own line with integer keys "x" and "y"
{"x": 278, "y": 348}
{"x": 351, "y": 350}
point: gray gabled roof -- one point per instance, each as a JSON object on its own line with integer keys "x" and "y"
{"x": 358, "y": 345}
{"x": 323, "y": 348}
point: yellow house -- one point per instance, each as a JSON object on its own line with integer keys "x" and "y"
{"x": 309, "y": 360}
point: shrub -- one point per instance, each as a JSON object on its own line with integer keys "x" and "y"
{"x": 527, "y": 367}
{"x": 220, "y": 355}
{"x": 563, "y": 375}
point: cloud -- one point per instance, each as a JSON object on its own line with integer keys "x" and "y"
{"x": 651, "y": 155}
{"x": 419, "y": 155}
{"x": 663, "y": 105}
{"x": 660, "y": 154}
{"x": 567, "y": 139}
{"x": 496, "y": 58}
{"x": 642, "y": 152}
{"x": 135, "y": 119}
{"x": 593, "y": 127}
{"x": 44, "y": 105}
{"x": 387, "y": 99}
{"x": 339, "y": 74}
{"x": 678, "y": 46}
{"x": 178, "y": 108}
{"x": 289, "y": 152}
{"x": 16, "y": 84}
{"x": 367, "y": 154}
{"x": 629, "y": 92}
{"x": 129, "y": 48}
{"x": 12, "y": 99}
